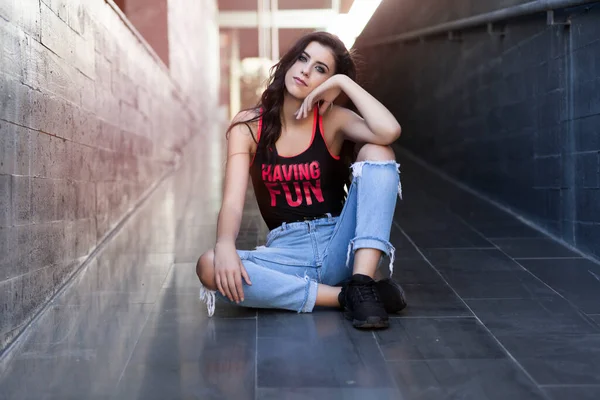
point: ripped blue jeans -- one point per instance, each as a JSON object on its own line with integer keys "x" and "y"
{"x": 299, "y": 255}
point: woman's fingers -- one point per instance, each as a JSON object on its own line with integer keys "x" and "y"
{"x": 230, "y": 284}
{"x": 306, "y": 107}
{"x": 303, "y": 108}
{"x": 232, "y": 288}
{"x": 225, "y": 286}
{"x": 245, "y": 274}
{"x": 219, "y": 286}
{"x": 299, "y": 112}
{"x": 238, "y": 287}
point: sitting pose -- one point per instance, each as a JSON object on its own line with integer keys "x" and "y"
{"x": 325, "y": 243}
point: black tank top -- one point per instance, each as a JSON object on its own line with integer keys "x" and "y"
{"x": 306, "y": 186}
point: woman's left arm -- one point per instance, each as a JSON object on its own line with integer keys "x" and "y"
{"x": 379, "y": 126}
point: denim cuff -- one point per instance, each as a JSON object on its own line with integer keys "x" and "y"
{"x": 367, "y": 242}
{"x": 310, "y": 297}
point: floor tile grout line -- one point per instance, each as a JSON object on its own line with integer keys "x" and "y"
{"x": 508, "y": 298}
{"x": 508, "y": 353}
{"x": 467, "y": 226}
{"x": 385, "y": 362}
{"x": 516, "y": 237}
{"x": 549, "y": 258}
{"x": 378, "y": 345}
{"x": 436, "y": 171}
{"x": 142, "y": 330}
{"x": 516, "y": 260}
{"x": 459, "y": 359}
{"x": 133, "y": 348}
{"x": 460, "y": 248}
{"x": 574, "y": 385}
{"x": 432, "y": 317}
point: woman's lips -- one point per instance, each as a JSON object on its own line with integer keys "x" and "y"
{"x": 300, "y": 81}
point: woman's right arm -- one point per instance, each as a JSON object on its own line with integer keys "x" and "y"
{"x": 229, "y": 269}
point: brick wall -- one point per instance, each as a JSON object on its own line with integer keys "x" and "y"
{"x": 89, "y": 121}
{"x": 515, "y": 117}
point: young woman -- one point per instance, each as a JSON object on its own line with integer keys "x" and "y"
{"x": 324, "y": 245}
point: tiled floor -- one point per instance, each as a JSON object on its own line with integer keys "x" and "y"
{"x": 496, "y": 311}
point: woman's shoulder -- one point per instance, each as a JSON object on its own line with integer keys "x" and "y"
{"x": 335, "y": 117}
{"x": 245, "y": 122}
{"x": 338, "y": 112}
{"x": 247, "y": 116}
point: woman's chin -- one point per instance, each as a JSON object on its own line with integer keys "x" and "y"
{"x": 296, "y": 93}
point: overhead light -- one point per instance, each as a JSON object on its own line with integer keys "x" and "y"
{"x": 349, "y": 26}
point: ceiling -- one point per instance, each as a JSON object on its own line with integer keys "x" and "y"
{"x": 248, "y": 37}
{"x": 249, "y": 5}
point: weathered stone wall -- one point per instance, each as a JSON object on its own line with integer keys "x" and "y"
{"x": 90, "y": 119}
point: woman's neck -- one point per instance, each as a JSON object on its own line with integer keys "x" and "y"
{"x": 290, "y": 106}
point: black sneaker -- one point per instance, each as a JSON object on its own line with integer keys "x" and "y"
{"x": 362, "y": 304}
{"x": 390, "y": 292}
{"x": 392, "y": 295}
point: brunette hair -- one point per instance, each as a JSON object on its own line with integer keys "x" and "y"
{"x": 271, "y": 101}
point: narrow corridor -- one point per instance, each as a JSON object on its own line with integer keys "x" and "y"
{"x": 493, "y": 313}
{"x": 112, "y": 158}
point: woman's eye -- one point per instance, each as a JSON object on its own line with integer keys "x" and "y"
{"x": 302, "y": 58}
{"x": 321, "y": 70}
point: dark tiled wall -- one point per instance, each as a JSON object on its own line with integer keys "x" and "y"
{"x": 89, "y": 120}
{"x": 516, "y": 117}
{"x": 394, "y": 16}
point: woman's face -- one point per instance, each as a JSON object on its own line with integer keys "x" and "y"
{"x": 312, "y": 67}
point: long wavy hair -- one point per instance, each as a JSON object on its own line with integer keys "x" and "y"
{"x": 271, "y": 102}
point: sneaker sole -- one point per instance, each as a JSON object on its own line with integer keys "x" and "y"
{"x": 370, "y": 323}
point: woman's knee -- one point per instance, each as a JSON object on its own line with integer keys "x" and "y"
{"x": 206, "y": 271}
{"x": 375, "y": 152}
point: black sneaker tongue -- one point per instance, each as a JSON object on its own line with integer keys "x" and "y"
{"x": 359, "y": 278}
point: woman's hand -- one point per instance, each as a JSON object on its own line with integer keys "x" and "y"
{"x": 326, "y": 93}
{"x": 229, "y": 271}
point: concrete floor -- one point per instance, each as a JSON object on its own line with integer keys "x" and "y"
{"x": 496, "y": 311}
